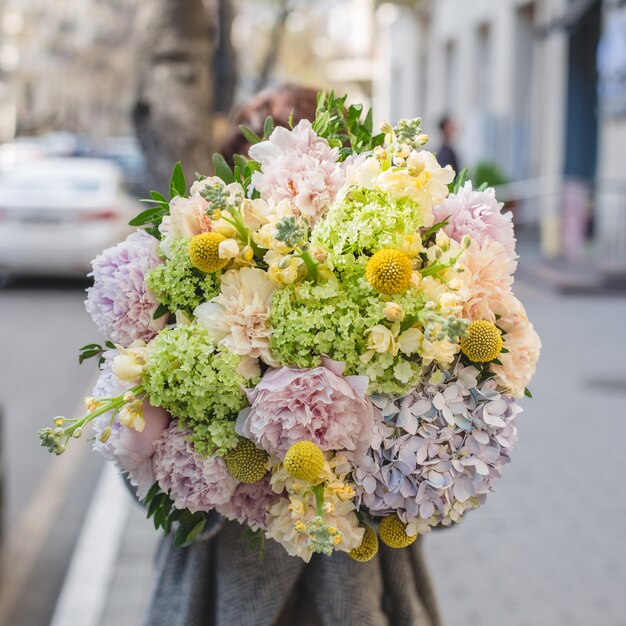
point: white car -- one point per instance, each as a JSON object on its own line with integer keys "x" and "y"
{"x": 57, "y": 214}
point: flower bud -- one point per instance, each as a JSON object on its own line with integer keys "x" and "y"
{"x": 59, "y": 421}
{"x": 127, "y": 367}
{"x": 228, "y": 249}
{"x": 77, "y": 433}
{"x": 393, "y": 312}
{"x": 247, "y": 254}
{"x": 106, "y": 433}
{"x": 129, "y": 396}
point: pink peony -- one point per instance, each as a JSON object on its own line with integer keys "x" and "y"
{"x": 477, "y": 214}
{"x": 250, "y": 504}
{"x": 299, "y": 166}
{"x": 192, "y": 481}
{"x": 318, "y": 405}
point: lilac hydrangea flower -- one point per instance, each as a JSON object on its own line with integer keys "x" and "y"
{"x": 131, "y": 451}
{"x": 192, "y": 481}
{"x": 300, "y": 166}
{"x": 250, "y": 504}
{"x": 477, "y": 214}
{"x": 119, "y": 302}
{"x": 439, "y": 452}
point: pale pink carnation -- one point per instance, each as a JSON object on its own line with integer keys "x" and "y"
{"x": 192, "y": 481}
{"x": 119, "y": 302}
{"x": 250, "y": 504}
{"x": 520, "y": 362}
{"x": 318, "y": 405}
{"x": 300, "y": 166}
{"x": 488, "y": 278}
{"x": 477, "y": 214}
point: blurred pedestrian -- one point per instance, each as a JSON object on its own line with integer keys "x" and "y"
{"x": 447, "y": 154}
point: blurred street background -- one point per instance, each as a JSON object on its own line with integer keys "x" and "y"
{"x": 98, "y": 98}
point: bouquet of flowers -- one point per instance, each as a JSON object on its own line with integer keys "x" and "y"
{"x": 321, "y": 343}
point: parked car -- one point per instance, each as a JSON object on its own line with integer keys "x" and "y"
{"x": 56, "y": 214}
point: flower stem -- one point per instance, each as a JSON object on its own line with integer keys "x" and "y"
{"x": 311, "y": 265}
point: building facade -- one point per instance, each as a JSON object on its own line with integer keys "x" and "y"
{"x": 538, "y": 88}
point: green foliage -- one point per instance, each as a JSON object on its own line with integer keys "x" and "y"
{"x": 488, "y": 175}
{"x": 153, "y": 216}
{"x": 345, "y": 128}
{"x": 94, "y": 349}
{"x": 165, "y": 515}
{"x": 178, "y": 285}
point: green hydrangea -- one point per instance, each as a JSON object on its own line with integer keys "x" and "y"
{"x": 365, "y": 221}
{"x": 332, "y": 318}
{"x": 179, "y": 285}
{"x": 197, "y": 383}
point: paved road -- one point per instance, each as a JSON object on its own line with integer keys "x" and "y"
{"x": 42, "y": 324}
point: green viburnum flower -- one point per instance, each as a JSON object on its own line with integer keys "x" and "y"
{"x": 366, "y": 221}
{"x": 179, "y": 285}
{"x": 333, "y": 319}
{"x": 199, "y": 384}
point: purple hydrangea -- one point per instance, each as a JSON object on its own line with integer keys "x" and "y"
{"x": 130, "y": 450}
{"x": 250, "y": 504}
{"x": 119, "y": 302}
{"x": 439, "y": 451}
{"x": 192, "y": 481}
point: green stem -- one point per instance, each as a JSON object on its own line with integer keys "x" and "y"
{"x": 311, "y": 265}
{"x": 112, "y": 404}
{"x": 318, "y": 490}
{"x": 244, "y": 234}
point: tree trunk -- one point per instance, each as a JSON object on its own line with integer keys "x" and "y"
{"x": 173, "y": 107}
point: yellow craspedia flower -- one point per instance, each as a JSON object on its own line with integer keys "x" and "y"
{"x": 389, "y": 271}
{"x": 368, "y": 548}
{"x": 304, "y": 461}
{"x": 204, "y": 252}
{"x": 246, "y": 463}
{"x": 392, "y": 532}
{"x": 483, "y": 342}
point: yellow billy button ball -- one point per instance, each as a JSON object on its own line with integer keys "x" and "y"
{"x": 368, "y": 548}
{"x": 304, "y": 461}
{"x": 392, "y": 532}
{"x": 389, "y": 271}
{"x": 204, "y": 252}
{"x": 246, "y": 463}
{"x": 483, "y": 342}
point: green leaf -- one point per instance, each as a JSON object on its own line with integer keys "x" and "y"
{"x": 161, "y": 310}
{"x": 158, "y": 197}
{"x": 89, "y": 351}
{"x": 459, "y": 181}
{"x": 268, "y": 126}
{"x": 148, "y": 216}
{"x": 527, "y": 393}
{"x": 434, "y": 228}
{"x": 152, "y": 492}
{"x": 189, "y": 530}
{"x": 251, "y": 136}
{"x": 178, "y": 185}
{"x": 222, "y": 169}
{"x": 241, "y": 162}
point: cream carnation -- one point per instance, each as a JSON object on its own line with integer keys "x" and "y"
{"x": 488, "y": 278}
{"x": 520, "y": 362}
{"x": 239, "y": 317}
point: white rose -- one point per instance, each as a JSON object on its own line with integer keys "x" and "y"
{"x": 381, "y": 340}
